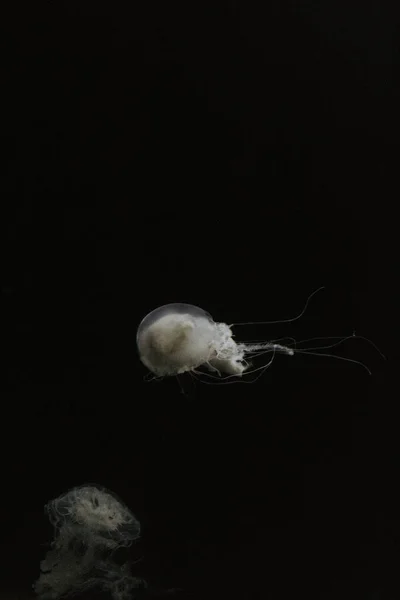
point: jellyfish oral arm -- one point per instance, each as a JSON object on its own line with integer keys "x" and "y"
{"x": 268, "y": 346}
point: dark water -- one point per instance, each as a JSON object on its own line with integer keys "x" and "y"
{"x": 236, "y": 159}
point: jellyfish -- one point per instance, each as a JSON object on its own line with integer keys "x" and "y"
{"x": 90, "y": 524}
{"x": 178, "y": 338}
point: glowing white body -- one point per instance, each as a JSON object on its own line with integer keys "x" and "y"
{"x": 177, "y": 338}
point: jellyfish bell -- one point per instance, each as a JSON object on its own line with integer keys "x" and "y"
{"x": 175, "y": 338}
{"x": 96, "y": 511}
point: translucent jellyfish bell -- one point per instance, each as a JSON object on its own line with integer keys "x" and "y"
{"x": 175, "y": 338}
{"x": 97, "y": 512}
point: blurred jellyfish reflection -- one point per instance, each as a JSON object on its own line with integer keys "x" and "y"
{"x": 90, "y": 525}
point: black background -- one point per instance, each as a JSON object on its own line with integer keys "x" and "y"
{"x": 237, "y": 158}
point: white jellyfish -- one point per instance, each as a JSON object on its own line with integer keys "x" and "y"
{"x": 90, "y": 524}
{"x": 178, "y": 338}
